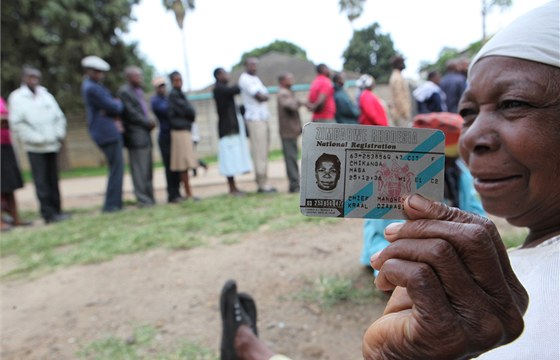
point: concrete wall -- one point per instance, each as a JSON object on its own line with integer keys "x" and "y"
{"x": 82, "y": 152}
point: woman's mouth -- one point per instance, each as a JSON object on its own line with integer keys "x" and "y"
{"x": 493, "y": 185}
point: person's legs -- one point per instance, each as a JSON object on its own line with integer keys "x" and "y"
{"x": 232, "y": 186}
{"x": 239, "y": 329}
{"x": 11, "y": 205}
{"x": 6, "y": 207}
{"x": 186, "y": 184}
{"x": 289, "y": 147}
{"x": 113, "y": 196}
{"x": 249, "y": 347}
{"x": 52, "y": 176}
{"x": 141, "y": 172}
{"x": 41, "y": 172}
{"x": 259, "y": 139}
{"x": 173, "y": 179}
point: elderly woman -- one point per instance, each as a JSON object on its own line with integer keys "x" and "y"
{"x": 457, "y": 292}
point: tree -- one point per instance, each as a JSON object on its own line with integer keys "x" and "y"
{"x": 180, "y": 8}
{"x": 280, "y": 46}
{"x": 448, "y": 53}
{"x": 370, "y": 52}
{"x": 55, "y": 35}
{"x": 487, "y": 6}
{"x": 352, "y": 8}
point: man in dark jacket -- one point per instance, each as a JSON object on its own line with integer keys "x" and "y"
{"x": 105, "y": 127}
{"x": 160, "y": 108}
{"x": 346, "y": 111}
{"x": 137, "y": 128}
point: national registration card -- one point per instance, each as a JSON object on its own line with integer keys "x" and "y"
{"x": 367, "y": 171}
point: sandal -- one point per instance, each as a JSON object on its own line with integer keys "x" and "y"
{"x": 248, "y": 304}
{"x": 233, "y": 316}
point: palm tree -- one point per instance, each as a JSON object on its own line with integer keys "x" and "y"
{"x": 352, "y": 8}
{"x": 487, "y": 6}
{"x": 180, "y": 8}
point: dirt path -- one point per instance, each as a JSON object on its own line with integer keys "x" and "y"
{"x": 177, "y": 292}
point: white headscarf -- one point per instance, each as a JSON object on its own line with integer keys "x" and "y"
{"x": 534, "y": 36}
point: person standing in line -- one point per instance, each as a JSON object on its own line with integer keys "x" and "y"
{"x": 400, "y": 106}
{"x": 137, "y": 138}
{"x": 321, "y": 96}
{"x": 181, "y": 116}
{"x": 196, "y": 139}
{"x": 255, "y": 95}
{"x": 233, "y": 154}
{"x": 10, "y": 173}
{"x": 346, "y": 111}
{"x": 372, "y": 111}
{"x": 38, "y": 121}
{"x": 160, "y": 108}
{"x": 290, "y": 128}
{"x": 429, "y": 96}
{"x": 453, "y": 83}
{"x": 105, "y": 127}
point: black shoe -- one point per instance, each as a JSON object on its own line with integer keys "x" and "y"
{"x": 248, "y": 304}
{"x": 268, "y": 190}
{"x": 57, "y": 218}
{"x": 294, "y": 190}
{"x": 233, "y": 316}
{"x": 177, "y": 200}
{"x": 143, "y": 205}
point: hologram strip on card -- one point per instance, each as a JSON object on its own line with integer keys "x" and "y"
{"x": 434, "y": 140}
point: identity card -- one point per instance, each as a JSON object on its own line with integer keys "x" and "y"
{"x": 364, "y": 171}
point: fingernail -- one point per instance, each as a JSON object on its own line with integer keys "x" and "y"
{"x": 418, "y": 202}
{"x": 393, "y": 228}
{"x": 374, "y": 256}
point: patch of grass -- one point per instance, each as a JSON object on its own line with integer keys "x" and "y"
{"x": 79, "y": 172}
{"x": 90, "y": 237}
{"x": 328, "y": 291}
{"x": 143, "y": 344}
{"x": 514, "y": 238}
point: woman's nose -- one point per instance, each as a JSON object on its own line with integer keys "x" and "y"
{"x": 481, "y": 136}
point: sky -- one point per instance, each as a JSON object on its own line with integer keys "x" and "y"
{"x": 218, "y": 32}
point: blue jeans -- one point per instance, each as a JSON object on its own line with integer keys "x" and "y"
{"x": 113, "y": 196}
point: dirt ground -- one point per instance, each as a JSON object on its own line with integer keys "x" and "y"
{"x": 177, "y": 292}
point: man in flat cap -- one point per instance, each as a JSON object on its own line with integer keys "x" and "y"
{"x": 137, "y": 128}
{"x": 105, "y": 126}
{"x": 39, "y": 123}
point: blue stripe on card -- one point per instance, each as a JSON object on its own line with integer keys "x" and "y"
{"x": 366, "y": 192}
{"x": 418, "y": 152}
{"x": 427, "y": 174}
{"x": 377, "y": 213}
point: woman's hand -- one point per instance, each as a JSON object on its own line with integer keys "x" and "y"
{"x": 455, "y": 294}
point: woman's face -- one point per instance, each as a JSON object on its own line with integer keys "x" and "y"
{"x": 177, "y": 82}
{"x": 511, "y": 139}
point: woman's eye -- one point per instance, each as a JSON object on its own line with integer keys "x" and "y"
{"x": 468, "y": 115}
{"x": 511, "y": 104}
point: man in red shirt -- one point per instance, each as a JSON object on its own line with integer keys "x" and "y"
{"x": 321, "y": 96}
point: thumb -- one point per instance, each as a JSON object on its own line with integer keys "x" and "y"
{"x": 418, "y": 207}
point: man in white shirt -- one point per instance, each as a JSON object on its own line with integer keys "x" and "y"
{"x": 39, "y": 123}
{"x": 255, "y": 95}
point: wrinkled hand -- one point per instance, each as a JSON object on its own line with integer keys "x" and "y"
{"x": 455, "y": 294}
